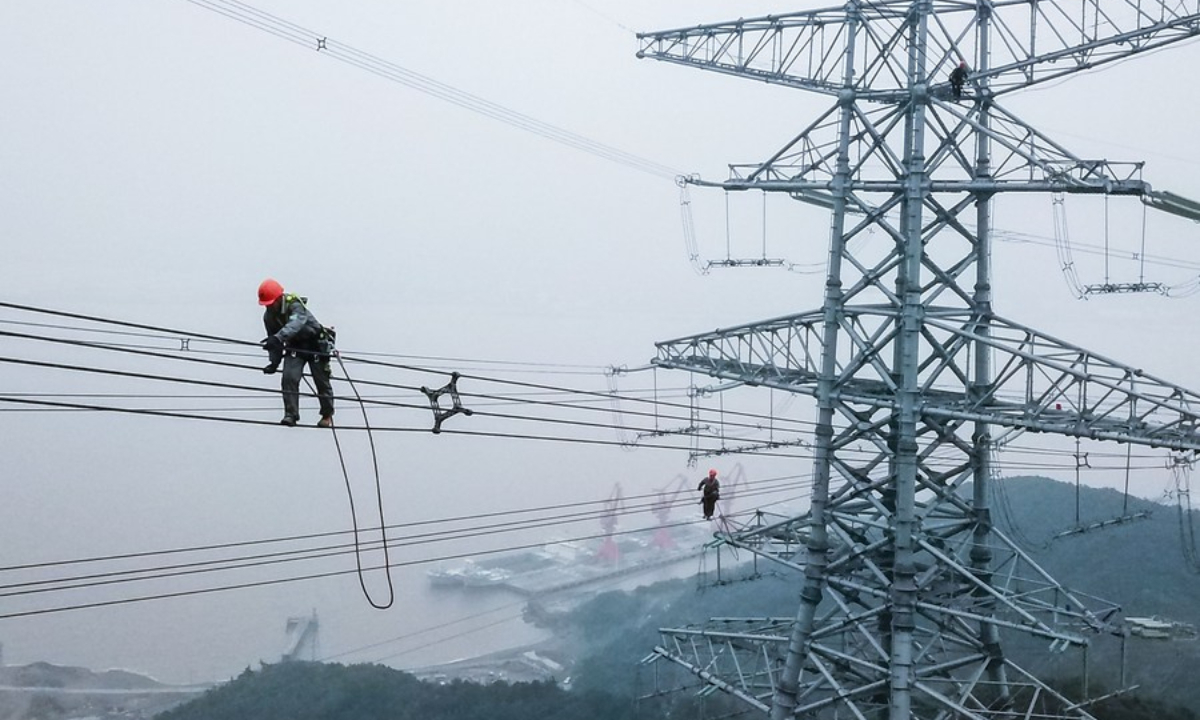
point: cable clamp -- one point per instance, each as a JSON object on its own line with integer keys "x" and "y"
{"x": 440, "y": 414}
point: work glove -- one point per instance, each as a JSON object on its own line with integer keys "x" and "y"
{"x": 274, "y": 347}
{"x": 270, "y": 369}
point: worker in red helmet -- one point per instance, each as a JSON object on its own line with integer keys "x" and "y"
{"x": 958, "y": 77}
{"x": 712, "y": 493}
{"x": 295, "y": 338}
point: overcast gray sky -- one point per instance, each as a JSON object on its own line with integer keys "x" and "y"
{"x": 158, "y": 160}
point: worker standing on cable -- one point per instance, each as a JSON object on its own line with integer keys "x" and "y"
{"x": 712, "y": 493}
{"x": 958, "y": 77}
{"x": 295, "y": 338}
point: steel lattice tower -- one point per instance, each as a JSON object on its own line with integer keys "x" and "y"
{"x": 907, "y": 586}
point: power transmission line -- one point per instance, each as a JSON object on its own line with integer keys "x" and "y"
{"x": 41, "y": 401}
{"x": 507, "y": 512}
{"x": 316, "y": 576}
{"x": 353, "y": 359}
{"x": 77, "y": 581}
{"x": 187, "y": 335}
{"x": 296, "y": 34}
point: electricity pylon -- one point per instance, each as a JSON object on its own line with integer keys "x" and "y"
{"x": 908, "y": 588}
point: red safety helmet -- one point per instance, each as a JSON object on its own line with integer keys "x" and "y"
{"x": 712, "y": 473}
{"x": 269, "y": 291}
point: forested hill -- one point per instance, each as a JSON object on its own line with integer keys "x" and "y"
{"x": 1140, "y": 565}
{"x": 314, "y": 691}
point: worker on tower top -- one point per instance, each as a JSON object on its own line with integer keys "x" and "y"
{"x": 295, "y": 338}
{"x": 712, "y": 493}
{"x": 958, "y": 77}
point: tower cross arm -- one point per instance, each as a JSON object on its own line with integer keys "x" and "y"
{"x": 802, "y": 50}
{"x": 1042, "y": 384}
{"x": 1037, "y": 42}
{"x": 1026, "y": 43}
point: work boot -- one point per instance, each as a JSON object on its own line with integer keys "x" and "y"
{"x": 326, "y": 421}
{"x": 289, "y": 420}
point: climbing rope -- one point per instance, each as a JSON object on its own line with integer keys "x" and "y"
{"x": 387, "y": 565}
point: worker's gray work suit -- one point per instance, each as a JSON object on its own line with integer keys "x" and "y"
{"x": 301, "y": 334}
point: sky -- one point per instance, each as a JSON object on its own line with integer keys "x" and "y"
{"x": 158, "y": 160}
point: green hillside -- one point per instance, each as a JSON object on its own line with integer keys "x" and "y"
{"x": 1140, "y": 564}
{"x": 315, "y": 691}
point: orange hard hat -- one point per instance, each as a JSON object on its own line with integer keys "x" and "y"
{"x": 712, "y": 473}
{"x": 269, "y": 291}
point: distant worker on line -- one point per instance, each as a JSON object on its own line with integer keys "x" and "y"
{"x": 712, "y": 493}
{"x": 958, "y": 78}
{"x": 295, "y": 338}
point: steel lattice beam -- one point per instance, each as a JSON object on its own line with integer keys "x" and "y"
{"x": 1023, "y": 159}
{"x": 1030, "y": 42}
{"x": 1042, "y": 384}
